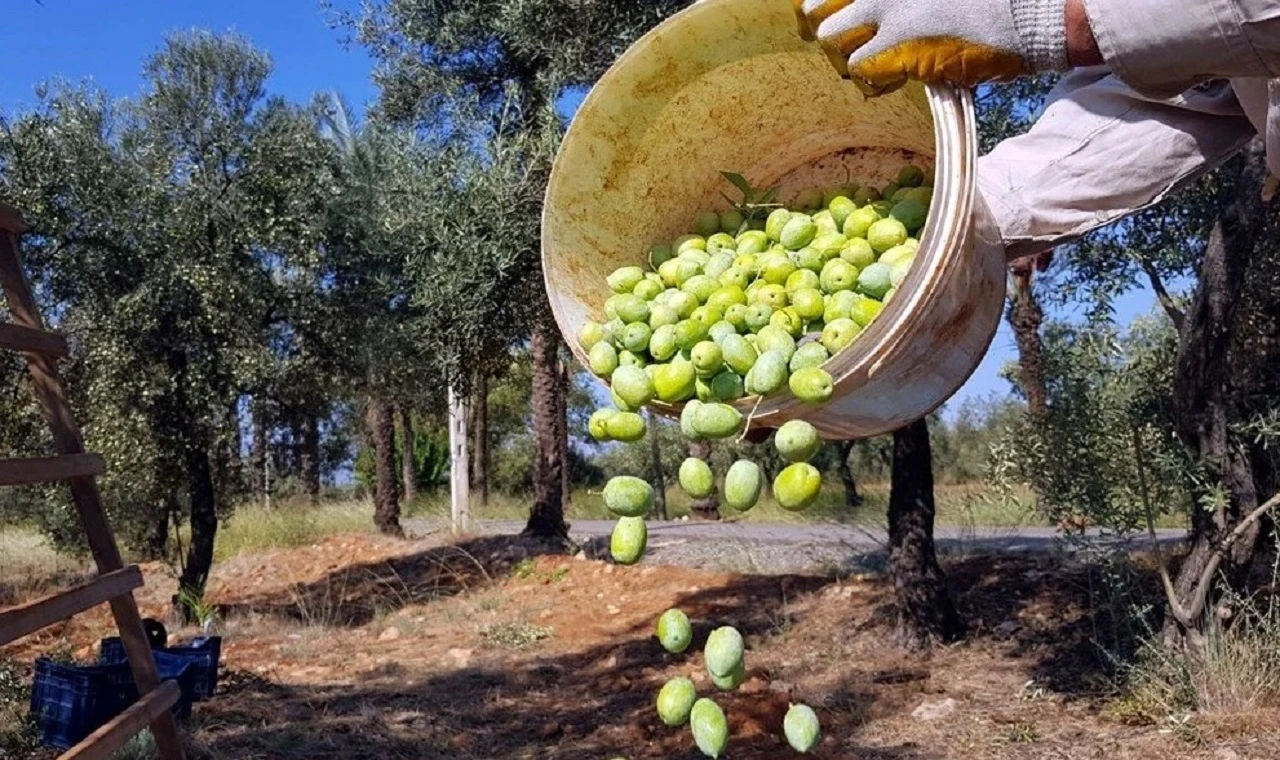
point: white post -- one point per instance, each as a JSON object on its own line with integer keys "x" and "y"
{"x": 459, "y": 465}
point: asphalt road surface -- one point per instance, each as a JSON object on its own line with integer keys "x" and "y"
{"x": 1014, "y": 539}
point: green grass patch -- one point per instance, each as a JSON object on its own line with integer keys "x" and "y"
{"x": 253, "y": 527}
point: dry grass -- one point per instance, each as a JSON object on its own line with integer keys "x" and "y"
{"x": 253, "y": 527}
{"x": 29, "y": 566}
{"x": 1239, "y": 672}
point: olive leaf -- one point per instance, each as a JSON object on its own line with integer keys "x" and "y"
{"x": 755, "y": 202}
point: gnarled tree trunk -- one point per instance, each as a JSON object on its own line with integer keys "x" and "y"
{"x": 924, "y": 611}
{"x": 1026, "y": 316}
{"x": 547, "y": 516}
{"x": 708, "y": 508}
{"x": 851, "y": 498}
{"x": 562, "y": 436}
{"x": 309, "y": 455}
{"x": 258, "y": 453}
{"x": 656, "y": 477}
{"x": 204, "y": 520}
{"x": 1205, "y": 399}
{"x": 480, "y": 439}
{"x": 386, "y": 501}
{"x": 408, "y": 467}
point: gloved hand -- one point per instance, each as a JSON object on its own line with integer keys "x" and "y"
{"x": 880, "y": 44}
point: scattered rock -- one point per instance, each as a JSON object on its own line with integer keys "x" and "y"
{"x": 549, "y": 729}
{"x": 934, "y": 710}
{"x": 753, "y": 685}
{"x": 612, "y": 610}
{"x": 781, "y": 687}
{"x": 461, "y": 657}
{"x": 1006, "y": 629}
{"x": 898, "y": 676}
{"x": 391, "y": 634}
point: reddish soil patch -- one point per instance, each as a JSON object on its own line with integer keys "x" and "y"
{"x": 362, "y": 647}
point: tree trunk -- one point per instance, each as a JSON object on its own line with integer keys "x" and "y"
{"x": 562, "y": 436}
{"x": 924, "y": 611}
{"x": 1204, "y": 395}
{"x": 231, "y": 475}
{"x": 547, "y": 516}
{"x": 1025, "y": 317}
{"x": 156, "y": 542}
{"x": 851, "y": 498}
{"x": 204, "y": 520}
{"x": 386, "y": 509}
{"x": 408, "y": 467}
{"x": 258, "y": 455}
{"x": 480, "y": 442}
{"x": 309, "y": 456}
{"x": 656, "y": 477}
{"x": 708, "y": 508}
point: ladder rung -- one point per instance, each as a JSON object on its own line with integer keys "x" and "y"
{"x": 11, "y": 219}
{"x": 106, "y": 741}
{"x": 26, "y": 619}
{"x": 32, "y": 341}
{"x": 22, "y": 472}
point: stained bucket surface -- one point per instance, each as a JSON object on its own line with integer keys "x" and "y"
{"x": 728, "y": 85}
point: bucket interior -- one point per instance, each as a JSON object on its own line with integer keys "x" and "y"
{"x": 726, "y": 85}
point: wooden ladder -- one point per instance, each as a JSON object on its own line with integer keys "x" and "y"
{"x": 115, "y": 583}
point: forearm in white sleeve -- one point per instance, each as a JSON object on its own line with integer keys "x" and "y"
{"x": 1162, "y": 47}
{"x": 1100, "y": 152}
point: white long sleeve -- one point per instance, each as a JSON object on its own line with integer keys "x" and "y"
{"x": 1102, "y": 151}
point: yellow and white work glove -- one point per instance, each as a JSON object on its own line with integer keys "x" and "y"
{"x": 880, "y": 44}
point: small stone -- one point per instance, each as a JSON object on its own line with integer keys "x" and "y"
{"x": 934, "y": 710}
{"x": 461, "y": 657}
{"x": 1006, "y": 629}
{"x": 612, "y": 610}
{"x": 391, "y": 634}
{"x": 753, "y": 685}
{"x": 549, "y": 729}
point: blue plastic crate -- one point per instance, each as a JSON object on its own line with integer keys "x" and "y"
{"x": 178, "y": 669}
{"x": 69, "y": 702}
{"x": 203, "y": 654}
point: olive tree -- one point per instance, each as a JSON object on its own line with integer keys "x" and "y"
{"x": 496, "y": 69}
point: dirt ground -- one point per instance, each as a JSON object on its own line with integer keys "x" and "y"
{"x": 364, "y": 647}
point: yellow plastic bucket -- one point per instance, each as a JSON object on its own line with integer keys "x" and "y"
{"x": 728, "y": 85}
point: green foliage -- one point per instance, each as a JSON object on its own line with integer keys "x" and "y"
{"x": 430, "y": 460}
{"x": 19, "y": 735}
{"x": 1109, "y": 431}
{"x": 163, "y": 225}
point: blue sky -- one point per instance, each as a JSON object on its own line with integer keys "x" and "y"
{"x": 106, "y": 41}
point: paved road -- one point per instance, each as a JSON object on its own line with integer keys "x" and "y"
{"x": 991, "y": 538}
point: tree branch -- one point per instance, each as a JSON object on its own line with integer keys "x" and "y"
{"x": 1171, "y": 594}
{"x": 1166, "y": 300}
{"x": 1202, "y": 586}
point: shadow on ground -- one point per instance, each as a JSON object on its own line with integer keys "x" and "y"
{"x": 597, "y": 703}
{"x": 354, "y": 595}
{"x": 593, "y": 704}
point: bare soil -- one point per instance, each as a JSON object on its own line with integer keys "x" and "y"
{"x": 497, "y": 647}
